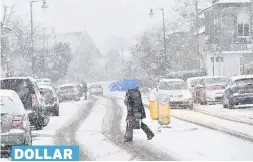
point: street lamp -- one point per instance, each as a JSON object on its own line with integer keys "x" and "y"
{"x": 44, "y": 5}
{"x": 151, "y": 13}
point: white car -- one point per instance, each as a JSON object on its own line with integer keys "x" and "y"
{"x": 15, "y": 125}
{"x": 178, "y": 92}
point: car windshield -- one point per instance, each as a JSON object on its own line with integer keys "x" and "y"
{"x": 244, "y": 82}
{"x": 193, "y": 82}
{"x": 213, "y": 81}
{"x": 19, "y": 85}
{"x": 172, "y": 85}
{"x": 8, "y": 105}
{"x": 68, "y": 88}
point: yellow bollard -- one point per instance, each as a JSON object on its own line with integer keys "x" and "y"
{"x": 153, "y": 106}
{"x": 163, "y": 109}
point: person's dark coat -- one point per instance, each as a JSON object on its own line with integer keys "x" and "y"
{"x": 84, "y": 87}
{"x": 133, "y": 100}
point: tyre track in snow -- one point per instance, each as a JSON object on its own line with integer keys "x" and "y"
{"x": 66, "y": 134}
{"x": 235, "y": 130}
{"x": 112, "y": 131}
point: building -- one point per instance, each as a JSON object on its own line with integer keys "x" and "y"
{"x": 228, "y": 37}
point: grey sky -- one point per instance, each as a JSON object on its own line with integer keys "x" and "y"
{"x": 101, "y": 18}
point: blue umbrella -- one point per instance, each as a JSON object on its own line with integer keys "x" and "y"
{"x": 124, "y": 85}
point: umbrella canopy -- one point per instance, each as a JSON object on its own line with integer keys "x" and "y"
{"x": 124, "y": 85}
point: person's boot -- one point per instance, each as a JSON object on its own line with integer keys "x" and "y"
{"x": 150, "y": 136}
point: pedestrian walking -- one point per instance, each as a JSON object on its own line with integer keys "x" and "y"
{"x": 133, "y": 102}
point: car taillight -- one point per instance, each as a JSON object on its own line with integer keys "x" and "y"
{"x": 17, "y": 122}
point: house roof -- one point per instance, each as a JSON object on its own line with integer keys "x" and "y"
{"x": 226, "y": 2}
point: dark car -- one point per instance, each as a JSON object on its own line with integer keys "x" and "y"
{"x": 15, "y": 125}
{"x": 31, "y": 98}
{"x": 96, "y": 90}
{"x": 239, "y": 92}
{"x": 50, "y": 99}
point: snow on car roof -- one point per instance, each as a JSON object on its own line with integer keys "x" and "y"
{"x": 206, "y": 77}
{"x": 67, "y": 84}
{"x": 169, "y": 80}
{"x": 7, "y": 93}
{"x": 234, "y": 78}
{"x": 193, "y": 78}
{"x": 45, "y": 86}
{"x": 18, "y": 78}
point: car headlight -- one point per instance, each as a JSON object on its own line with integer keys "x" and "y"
{"x": 187, "y": 96}
{"x": 163, "y": 98}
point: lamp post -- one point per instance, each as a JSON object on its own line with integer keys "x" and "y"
{"x": 164, "y": 30}
{"x": 44, "y": 5}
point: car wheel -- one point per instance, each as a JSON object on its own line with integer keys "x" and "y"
{"x": 38, "y": 126}
{"x": 231, "y": 106}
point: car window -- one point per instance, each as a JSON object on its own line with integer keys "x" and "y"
{"x": 68, "y": 88}
{"x": 172, "y": 85}
{"x": 244, "y": 82}
{"x": 212, "y": 81}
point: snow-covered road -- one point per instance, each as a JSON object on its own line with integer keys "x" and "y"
{"x": 98, "y": 124}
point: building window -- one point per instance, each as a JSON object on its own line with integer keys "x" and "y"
{"x": 243, "y": 23}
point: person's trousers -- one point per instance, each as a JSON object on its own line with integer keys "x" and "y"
{"x": 144, "y": 127}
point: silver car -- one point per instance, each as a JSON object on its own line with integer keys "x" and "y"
{"x": 68, "y": 92}
{"x": 15, "y": 125}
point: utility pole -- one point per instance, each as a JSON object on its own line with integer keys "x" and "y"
{"x": 197, "y": 32}
{"x": 43, "y": 55}
{"x": 32, "y": 52}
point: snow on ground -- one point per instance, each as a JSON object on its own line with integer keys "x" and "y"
{"x": 186, "y": 141}
{"x": 67, "y": 111}
{"x": 243, "y": 114}
{"x": 91, "y": 137}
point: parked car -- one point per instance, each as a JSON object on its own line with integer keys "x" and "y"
{"x": 44, "y": 81}
{"x": 15, "y": 125}
{"x": 178, "y": 92}
{"x": 191, "y": 83}
{"x": 31, "y": 98}
{"x": 68, "y": 92}
{"x": 239, "y": 92}
{"x": 210, "y": 89}
{"x": 50, "y": 99}
{"x": 80, "y": 90}
{"x": 96, "y": 90}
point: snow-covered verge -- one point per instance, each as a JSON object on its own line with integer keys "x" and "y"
{"x": 244, "y": 115}
{"x": 90, "y": 136}
{"x": 186, "y": 141}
